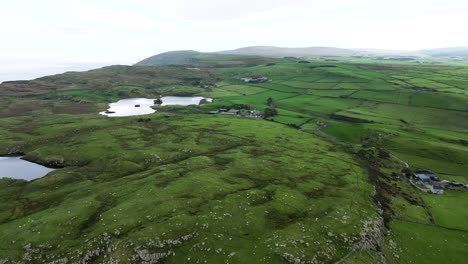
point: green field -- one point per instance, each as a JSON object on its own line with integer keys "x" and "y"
{"x": 307, "y": 185}
{"x": 418, "y": 243}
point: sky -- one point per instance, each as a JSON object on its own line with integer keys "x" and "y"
{"x": 51, "y": 36}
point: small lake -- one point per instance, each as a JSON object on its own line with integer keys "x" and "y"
{"x": 16, "y": 168}
{"x": 142, "y": 106}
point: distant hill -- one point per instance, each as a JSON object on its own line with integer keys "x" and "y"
{"x": 384, "y": 52}
{"x": 256, "y": 52}
{"x": 171, "y": 57}
{"x": 268, "y": 51}
{"x": 448, "y": 52}
{"x": 191, "y": 57}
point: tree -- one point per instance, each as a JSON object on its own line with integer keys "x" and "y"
{"x": 269, "y": 112}
{"x": 270, "y": 103}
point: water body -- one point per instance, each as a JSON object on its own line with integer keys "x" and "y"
{"x": 142, "y": 106}
{"x": 16, "y": 168}
{"x": 26, "y": 68}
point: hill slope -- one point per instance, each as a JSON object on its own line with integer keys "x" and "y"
{"x": 195, "y": 58}
{"x": 282, "y": 52}
{"x": 171, "y": 57}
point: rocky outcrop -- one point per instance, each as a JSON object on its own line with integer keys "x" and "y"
{"x": 102, "y": 249}
{"x": 372, "y": 235}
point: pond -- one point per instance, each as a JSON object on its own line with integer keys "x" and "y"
{"x": 142, "y": 106}
{"x": 17, "y": 168}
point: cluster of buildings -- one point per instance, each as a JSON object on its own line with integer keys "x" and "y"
{"x": 427, "y": 180}
{"x": 237, "y": 112}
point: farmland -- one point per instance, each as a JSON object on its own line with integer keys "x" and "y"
{"x": 307, "y": 184}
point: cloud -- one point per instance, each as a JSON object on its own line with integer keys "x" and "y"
{"x": 129, "y": 30}
{"x": 106, "y": 16}
{"x": 219, "y": 10}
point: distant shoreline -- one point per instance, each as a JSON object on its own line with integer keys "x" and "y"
{"x": 22, "y": 69}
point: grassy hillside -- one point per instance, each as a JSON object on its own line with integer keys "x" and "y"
{"x": 320, "y": 182}
{"x": 124, "y": 79}
{"x": 220, "y": 190}
{"x": 200, "y": 59}
{"x": 172, "y": 57}
{"x": 403, "y": 103}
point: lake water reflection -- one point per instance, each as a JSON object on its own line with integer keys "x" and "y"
{"x": 16, "y": 168}
{"x": 142, "y": 106}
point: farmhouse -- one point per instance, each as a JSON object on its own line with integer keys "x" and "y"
{"x": 425, "y": 175}
{"x": 237, "y": 112}
{"x": 422, "y": 177}
{"x": 427, "y": 181}
{"x": 231, "y": 112}
{"x": 255, "y": 79}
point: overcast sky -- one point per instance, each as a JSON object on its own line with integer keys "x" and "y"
{"x": 98, "y": 32}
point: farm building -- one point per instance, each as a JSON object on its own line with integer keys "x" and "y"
{"x": 237, "y": 112}
{"x": 427, "y": 181}
{"x": 255, "y": 79}
{"x": 422, "y": 177}
{"x": 230, "y": 112}
{"x": 425, "y": 175}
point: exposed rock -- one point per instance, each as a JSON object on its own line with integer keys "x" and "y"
{"x": 15, "y": 150}
{"x": 203, "y": 101}
{"x": 296, "y": 260}
{"x": 54, "y": 163}
{"x": 158, "y": 101}
{"x": 372, "y": 235}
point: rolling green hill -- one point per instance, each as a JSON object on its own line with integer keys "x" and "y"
{"x": 322, "y": 179}
{"x": 197, "y": 59}
{"x": 172, "y": 57}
